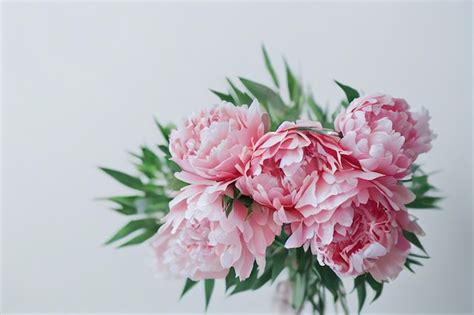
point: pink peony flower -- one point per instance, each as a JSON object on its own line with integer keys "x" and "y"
{"x": 383, "y": 134}
{"x": 285, "y": 164}
{"x": 302, "y": 172}
{"x": 315, "y": 228}
{"x": 187, "y": 253}
{"x": 368, "y": 239}
{"x": 214, "y": 143}
{"x": 198, "y": 241}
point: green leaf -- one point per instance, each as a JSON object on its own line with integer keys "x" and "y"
{"x": 414, "y": 262}
{"x": 279, "y": 263}
{"x": 415, "y": 167}
{"x": 127, "y": 201}
{"x": 175, "y": 184}
{"x": 358, "y": 281}
{"x": 165, "y": 132}
{"x": 145, "y": 235}
{"x": 269, "y": 66}
{"x": 188, "y": 286}
{"x": 351, "y": 93}
{"x": 410, "y": 261}
{"x": 224, "y": 97}
{"x": 419, "y": 256}
{"x": 149, "y": 157}
{"x": 318, "y": 111}
{"x": 407, "y": 265}
{"x": 230, "y": 279}
{"x": 329, "y": 279}
{"x": 164, "y": 149}
{"x": 265, "y": 95}
{"x": 420, "y": 186}
{"x": 265, "y": 277}
{"x": 294, "y": 87}
{"x": 246, "y": 201}
{"x": 240, "y": 98}
{"x": 361, "y": 295}
{"x": 412, "y": 238}
{"x": 299, "y": 291}
{"x": 293, "y": 113}
{"x": 173, "y": 167}
{"x": 123, "y": 178}
{"x": 248, "y": 283}
{"x": 375, "y": 285}
{"x": 424, "y": 202}
{"x": 132, "y": 226}
{"x": 125, "y": 210}
{"x": 208, "y": 288}
{"x": 228, "y": 205}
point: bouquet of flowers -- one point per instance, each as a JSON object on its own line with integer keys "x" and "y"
{"x": 268, "y": 180}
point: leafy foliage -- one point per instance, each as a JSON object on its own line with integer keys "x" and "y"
{"x": 153, "y": 187}
{"x": 420, "y": 186}
{"x": 276, "y": 257}
{"x": 360, "y": 285}
{"x": 188, "y": 286}
{"x": 350, "y": 92}
{"x": 208, "y": 289}
{"x": 278, "y": 108}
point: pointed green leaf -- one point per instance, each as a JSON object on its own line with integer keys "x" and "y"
{"x": 407, "y": 265}
{"x": 246, "y": 201}
{"x": 131, "y": 227}
{"x": 419, "y": 256}
{"x": 265, "y": 277}
{"x": 149, "y": 157}
{"x": 318, "y": 111}
{"x": 361, "y": 295}
{"x": 208, "y": 288}
{"x": 409, "y": 262}
{"x": 358, "y": 281}
{"x": 269, "y": 66}
{"x": 350, "y": 92}
{"x": 265, "y": 95}
{"x": 424, "y": 202}
{"x": 164, "y": 149}
{"x": 124, "y": 200}
{"x": 412, "y": 238}
{"x": 240, "y": 98}
{"x": 375, "y": 285}
{"x": 145, "y": 235}
{"x": 123, "y": 178}
{"x": 188, "y": 286}
{"x": 175, "y": 184}
{"x": 165, "y": 132}
{"x": 248, "y": 283}
{"x": 294, "y": 87}
{"x": 230, "y": 279}
{"x": 329, "y": 279}
{"x": 228, "y": 205}
{"x": 223, "y": 97}
{"x": 412, "y": 261}
{"x": 125, "y": 210}
{"x": 378, "y": 293}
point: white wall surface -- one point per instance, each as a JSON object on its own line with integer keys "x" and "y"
{"x": 82, "y": 81}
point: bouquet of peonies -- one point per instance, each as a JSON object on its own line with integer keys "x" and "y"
{"x": 258, "y": 184}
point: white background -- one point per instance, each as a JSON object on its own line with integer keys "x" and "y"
{"x": 81, "y": 83}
